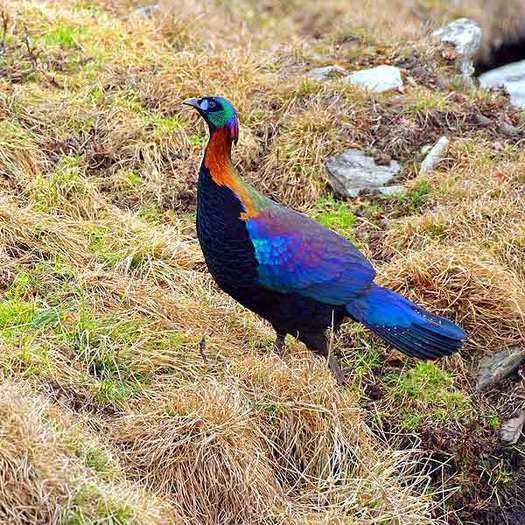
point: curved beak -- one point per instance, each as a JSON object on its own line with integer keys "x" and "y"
{"x": 193, "y": 102}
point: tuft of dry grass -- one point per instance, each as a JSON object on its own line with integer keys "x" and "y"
{"x": 201, "y": 447}
{"x": 270, "y": 443}
{"x": 33, "y": 482}
{"x": 43, "y": 482}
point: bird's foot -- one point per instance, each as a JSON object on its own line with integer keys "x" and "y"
{"x": 341, "y": 374}
{"x": 202, "y": 348}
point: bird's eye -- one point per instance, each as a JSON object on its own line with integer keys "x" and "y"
{"x": 212, "y": 104}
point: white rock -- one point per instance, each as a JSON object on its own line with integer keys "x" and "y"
{"x": 325, "y": 73}
{"x": 377, "y": 79}
{"x": 352, "y": 171}
{"x": 511, "y": 429}
{"x": 434, "y": 156}
{"x": 511, "y": 77}
{"x": 465, "y": 35}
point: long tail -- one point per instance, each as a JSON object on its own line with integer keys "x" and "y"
{"x": 405, "y": 325}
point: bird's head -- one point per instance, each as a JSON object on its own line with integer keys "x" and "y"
{"x": 218, "y": 112}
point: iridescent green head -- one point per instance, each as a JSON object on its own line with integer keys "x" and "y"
{"x": 218, "y": 112}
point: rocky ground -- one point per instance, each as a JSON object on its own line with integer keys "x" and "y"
{"x": 134, "y": 391}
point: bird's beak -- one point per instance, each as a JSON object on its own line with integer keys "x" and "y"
{"x": 193, "y": 102}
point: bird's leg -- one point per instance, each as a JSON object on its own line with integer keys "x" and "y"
{"x": 202, "y": 348}
{"x": 337, "y": 371}
{"x": 318, "y": 344}
{"x": 278, "y": 346}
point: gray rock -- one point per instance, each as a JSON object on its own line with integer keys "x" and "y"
{"x": 434, "y": 156}
{"x": 352, "y": 171}
{"x": 498, "y": 366}
{"x": 146, "y": 11}
{"x": 465, "y": 35}
{"x": 377, "y": 79}
{"x": 325, "y": 73}
{"x": 482, "y": 120}
{"x": 511, "y": 430}
{"x": 511, "y": 77}
{"x": 508, "y": 129}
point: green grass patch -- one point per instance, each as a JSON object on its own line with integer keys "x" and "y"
{"x": 152, "y": 214}
{"x": 67, "y": 36}
{"x": 103, "y": 243}
{"x": 164, "y": 125}
{"x": 31, "y": 359}
{"x": 115, "y": 392}
{"x": 335, "y": 215}
{"x": 426, "y": 393}
{"x": 416, "y": 197}
{"x": 197, "y": 139}
{"x": 53, "y": 281}
{"x": 17, "y": 314}
{"x": 364, "y": 362}
{"x": 91, "y": 455}
{"x": 103, "y": 344}
{"x": 64, "y": 185}
{"x": 422, "y": 100}
{"x": 92, "y": 505}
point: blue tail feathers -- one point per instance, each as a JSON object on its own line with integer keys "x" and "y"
{"x": 406, "y": 326}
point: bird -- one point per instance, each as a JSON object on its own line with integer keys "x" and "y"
{"x": 290, "y": 270}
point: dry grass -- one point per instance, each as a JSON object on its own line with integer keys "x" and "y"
{"x": 114, "y": 416}
{"x": 34, "y": 483}
{"x": 202, "y": 448}
{"x": 43, "y": 479}
{"x": 271, "y": 444}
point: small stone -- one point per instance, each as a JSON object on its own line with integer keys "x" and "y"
{"x": 434, "y": 156}
{"x": 325, "y": 73}
{"x": 352, "y": 171}
{"x": 465, "y": 36}
{"x": 146, "y": 11}
{"x": 508, "y": 129}
{"x": 511, "y": 430}
{"x": 498, "y": 366}
{"x": 377, "y": 79}
{"x": 482, "y": 120}
{"x": 391, "y": 191}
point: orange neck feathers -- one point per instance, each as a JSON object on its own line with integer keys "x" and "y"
{"x": 217, "y": 159}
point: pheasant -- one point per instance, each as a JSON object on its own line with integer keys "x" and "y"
{"x": 299, "y": 276}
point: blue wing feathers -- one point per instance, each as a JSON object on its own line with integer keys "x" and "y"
{"x": 295, "y": 254}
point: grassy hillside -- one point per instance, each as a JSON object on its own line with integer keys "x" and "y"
{"x": 112, "y": 410}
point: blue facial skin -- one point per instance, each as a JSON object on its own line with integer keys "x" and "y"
{"x": 216, "y": 111}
